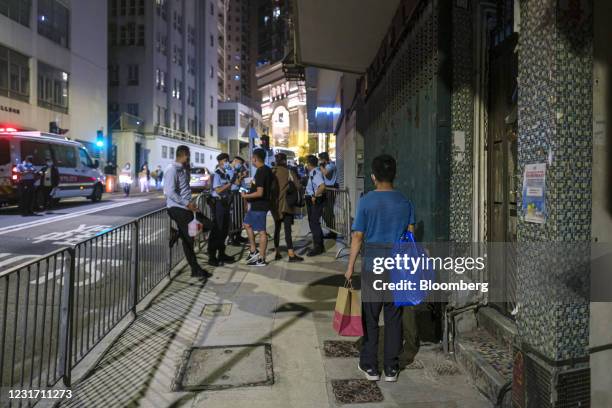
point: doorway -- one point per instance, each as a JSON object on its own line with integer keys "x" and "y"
{"x": 502, "y": 152}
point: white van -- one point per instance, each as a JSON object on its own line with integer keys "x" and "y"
{"x": 79, "y": 174}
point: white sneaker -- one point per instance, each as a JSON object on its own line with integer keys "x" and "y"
{"x": 371, "y": 374}
{"x": 257, "y": 262}
{"x": 252, "y": 255}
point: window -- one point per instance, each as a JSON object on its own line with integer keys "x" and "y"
{"x": 227, "y": 117}
{"x": 133, "y": 74}
{"x": 17, "y": 10}
{"x": 172, "y": 152}
{"x": 53, "y": 86}
{"x": 191, "y": 65}
{"x": 64, "y": 155}
{"x": 191, "y": 95}
{"x": 132, "y": 9}
{"x": 164, "y": 44}
{"x": 212, "y": 102}
{"x": 132, "y": 109}
{"x": 212, "y": 130}
{"x": 5, "y": 152}
{"x": 131, "y": 29}
{"x": 178, "y": 22}
{"x": 40, "y": 152}
{"x": 190, "y": 34}
{"x": 14, "y": 75}
{"x": 164, "y": 152}
{"x": 191, "y": 126}
{"x": 212, "y": 40}
{"x": 112, "y": 34}
{"x": 212, "y": 9}
{"x": 54, "y": 21}
{"x": 177, "y": 90}
{"x": 123, "y": 7}
{"x": 113, "y": 75}
{"x": 141, "y": 7}
{"x": 85, "y": 159}
{"x": 197, "y": 157}
{"x": 123, "y": 38}
{"x": 178, "y": 56}
{"x": 212, "y": 71}
{"x": 140, "y": 37}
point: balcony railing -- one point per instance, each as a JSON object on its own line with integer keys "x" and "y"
{"x": 178, "y": 135}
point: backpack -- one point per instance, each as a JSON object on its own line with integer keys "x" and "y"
{"x": 294, "y": 195}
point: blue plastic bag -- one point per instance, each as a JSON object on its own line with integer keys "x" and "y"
{"x": 407, "y": 245}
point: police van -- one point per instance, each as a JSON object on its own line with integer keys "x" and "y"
{"x": 79, "y": 174}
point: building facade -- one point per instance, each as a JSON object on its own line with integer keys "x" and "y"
{"x": 163, "y": 72}
{"x": 283, "y": 108}
{"x": 235, "y": 123}
{"x": 53, "y": 67}
{"x": 469, "y": 96}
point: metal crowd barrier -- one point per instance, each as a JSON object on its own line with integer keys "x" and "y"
{"x": 56, "y": 309}
{"x": 238, "y": 209}
{"x": 337, "y": 216}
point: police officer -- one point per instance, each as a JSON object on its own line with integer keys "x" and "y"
{"x": 330, "y": 176}
{"x": 240, "y": 172}
{"x": 26, "y": 186}
{"x": 220, "y": 208}
{"x": 49, "y": 180}
{"x": 315, "y": 190}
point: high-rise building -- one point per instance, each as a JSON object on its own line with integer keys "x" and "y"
{"x": 53, "y": 67}
{"x": 237, "y": 51}
{"x": 163, "y": 79}
{"x": 274, "y": 30}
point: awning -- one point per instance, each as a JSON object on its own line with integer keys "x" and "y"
{"x": 341, "y": 35}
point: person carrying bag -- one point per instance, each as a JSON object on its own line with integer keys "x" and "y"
{"x": 347, "y": 315}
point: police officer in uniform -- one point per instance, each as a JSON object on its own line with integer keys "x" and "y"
{"x": 330, "y": 176}
{"x": 49, "y": 180}
{"x": 220, "y": 209}
{"x": 26, "y": 186}
{"x": 265, "y": 145}
{"x": 240, "y": 172}
{"x": 315, "y": 197}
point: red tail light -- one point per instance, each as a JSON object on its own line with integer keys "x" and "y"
{"x": 15, "y": 175}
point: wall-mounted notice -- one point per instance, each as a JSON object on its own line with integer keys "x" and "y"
{"x": 534, "y": 193}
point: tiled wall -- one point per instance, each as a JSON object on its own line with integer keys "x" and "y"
{"x": 555, "y": 126}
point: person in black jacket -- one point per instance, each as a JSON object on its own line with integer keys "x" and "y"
{"x": 49, "y": 180}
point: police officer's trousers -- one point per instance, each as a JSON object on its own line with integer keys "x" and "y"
{"x": 315, "y": 211}
{"x": 220, "y": 210}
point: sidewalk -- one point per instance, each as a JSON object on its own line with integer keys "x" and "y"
{"x": 281, "y": 316}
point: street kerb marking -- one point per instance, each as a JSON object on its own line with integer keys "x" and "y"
{"x": 14, "y": 228}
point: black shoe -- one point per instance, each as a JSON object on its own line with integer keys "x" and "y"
{"x": 278, "y": 257}
{"x": 213, "y": 261}
{"x": 295, "y": 258}
{"x": 226, "y": 259}
{"x": 391, "y": 374}
{"x": 371, "y": 373}
{"x": 201, "y": 273}
{"x": 174, "y": 236}
{"x": 314, "y": 252}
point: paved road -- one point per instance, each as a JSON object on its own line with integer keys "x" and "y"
{"x": 25, "y": 238}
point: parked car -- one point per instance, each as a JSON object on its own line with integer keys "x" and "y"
{"x": 79, "y": 174}
{"x": 201, "y": 179}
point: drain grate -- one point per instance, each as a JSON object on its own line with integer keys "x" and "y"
{"x": 340, "y": 349}
{"x": 223, "y": 367}
{"x": 217, "y": 309}
{"x": 356, "y": 391}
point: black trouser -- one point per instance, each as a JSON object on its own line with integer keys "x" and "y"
{"x": 26, "y": 191}
{"x": 220, "y": 210}
{"x": 286, "y": 221}
{"x": 370, "y": 312}
{"x": 329, "y": 217}
{"x": 314, "y": 221}
{"x": 46, "y": 196}
{"x": 183, "y": 217}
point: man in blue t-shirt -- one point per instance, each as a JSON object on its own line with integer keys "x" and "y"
{"x": 382, "y": 216}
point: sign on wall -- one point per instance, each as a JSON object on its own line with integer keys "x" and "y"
{"x": 534, "y": 193}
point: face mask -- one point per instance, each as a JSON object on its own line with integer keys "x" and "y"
{"x": 227, "y": 166}
{"x": 238, "y": 166}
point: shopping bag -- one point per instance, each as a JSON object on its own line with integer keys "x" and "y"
{"x": 408, "y": 245}
{"x": 347, "y": 315}
{"x": 194, "y": 227}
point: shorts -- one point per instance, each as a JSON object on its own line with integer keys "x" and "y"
{"x": 256, "y": 219}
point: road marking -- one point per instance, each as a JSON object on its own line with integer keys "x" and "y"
{"x": 14, "y": 260}
{"x": 14, "y": 228}
{"x": 82, "y": 233}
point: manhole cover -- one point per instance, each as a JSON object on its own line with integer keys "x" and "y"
{"x": 356, "y": 391}
{"x": 340, "y": 348}
{"x": 221, "y": 367}
{"x": 217, "y": 309}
